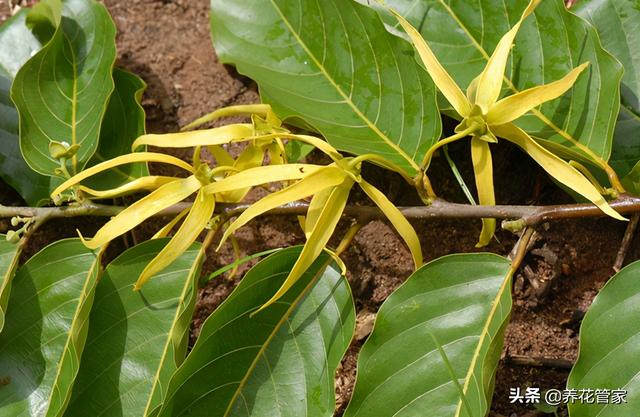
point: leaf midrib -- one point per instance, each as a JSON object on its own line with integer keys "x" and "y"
{"x": 276, "y": 329}
{"x": 483, "y": 335}
{"x": 345, "y": 97}
{"x": 187, "y": 285}
{"x": 72, "y": 327}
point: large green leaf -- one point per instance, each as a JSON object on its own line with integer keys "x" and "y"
{"x": 61, "y": 93}
{"x": 331, "y": 64}
{"x": 618, "y": 24}
{"x": 17, "y": 44}
{"x": 136, "y": 339}
{"x": 463, "y": 34}
{"x": 462, "y": 302}
{"x": 45, "y": 330}
{"x": 122, "y": 124}
{"x": 609, "y": 355}
{"x": 280, "y": 362}
{"x": 9, "y": 256}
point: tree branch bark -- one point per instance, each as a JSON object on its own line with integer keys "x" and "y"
{"x": 524, "y": 215}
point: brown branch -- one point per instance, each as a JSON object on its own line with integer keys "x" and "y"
{"x": 522, "y": 360}
{"x": 523, "y": 215}
{"x": 626, "y": 241}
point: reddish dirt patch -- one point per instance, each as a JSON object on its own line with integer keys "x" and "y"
{"x": 167, "y": 43}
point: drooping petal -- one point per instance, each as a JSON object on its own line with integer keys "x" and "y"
{"x": 318, "y": 143}
{"x": 193, "y": 225}
{"x": 490, "y": 80}
{"x": 276, "y": 153}
{"x": 165, "y": 196}
{"x": 439, "y": 75}
{"x": 215, "y": 136}
{"x": 147, "y": 183}
{"x": 121, "y": 160}
{"x": 483, "y": 170}
{"x": 397, "y": 219}
{"x": 242, "y": 109}
{"x": 472, "y": 89}
{"x": 221, "y": 155}
{"x": 318, "y": 239}
{"x": 313, "y": 183}
{"x": 262, "y": 175}
{"x": 252, "y": 156}
{"x": 164, "y": 231}
{"x": 514, "y": 106}
{"x": 318, "y": 202}
{"x": 556, "y": 167}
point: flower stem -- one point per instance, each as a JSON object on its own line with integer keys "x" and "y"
{"x": 426, "y": 161}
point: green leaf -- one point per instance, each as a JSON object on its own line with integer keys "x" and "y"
{"x": 17, "y": 44}
{"x": 123, "y": 122}
{"x": 617, "y": 24}
{"x": 279, "y": 362}
{"x": 9, "y": 256}
{"x": 136, "y": 339}
{"x": 61, "y": 92}
{"x": 296, "y": 151}
{"x": 609, "y": 356}
{"x": 45, "y": 329}
{"x": 339, "y": 72}
{"x": 550, "y": 43}
{"x": 462, "y": 302}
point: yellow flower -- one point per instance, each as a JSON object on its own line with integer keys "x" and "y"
{"x": 167, "y": 191}
{"x": 230, "y": 181}
{"x": 485, "y": 117}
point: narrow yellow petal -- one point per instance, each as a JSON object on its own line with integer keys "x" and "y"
{"x": 262, "y": 175}
{"x": 252, "y": 156}
{"x": 490, "y": 80}
{"x": 472, "y": 89}
{"x": 121, "y": 160}
{"x": 313, "y": 183}
{"x": 147, "y": 183}
{"x": 439, "y": 75}
{"x": 320, "y": 235}
{"x": 483, "y": 170}
{"x": 512, "y": 107}
{"x": 318, "y": 202}
{"x": 164, "y": 231}
{"x": 397, "y": 219}
{"x": 276, "y": 154}
{"x": 338, "y": 261}
{"x": 242, "y": 109}
{"x": 556, "y": 167}
{"x": 127, "y": 219}
{"x": 221, "y": 155}
{"x": 215, "y": 136}
{"x": 318, "y": 143}
{"x": 193, "y": 225}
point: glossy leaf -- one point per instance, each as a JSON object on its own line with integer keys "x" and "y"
{"x": 46, "y": 328}
{"x": 17, "y": 44}
{"x": 279, "y": 362}
{"x": 550, "y": 43}
{"x": 618, "y": 24}
{"x": 609, "y": 355}
{"x": 462, "y": 302}
{"x": 136, "y": 339}
{"x": 340, "y": 73}
{"x": 9, "y": 256}
{"x": 61, "y": 93}
{"x": 123, "y": 122}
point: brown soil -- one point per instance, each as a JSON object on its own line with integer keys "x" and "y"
{"x": 167, "y": 43}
